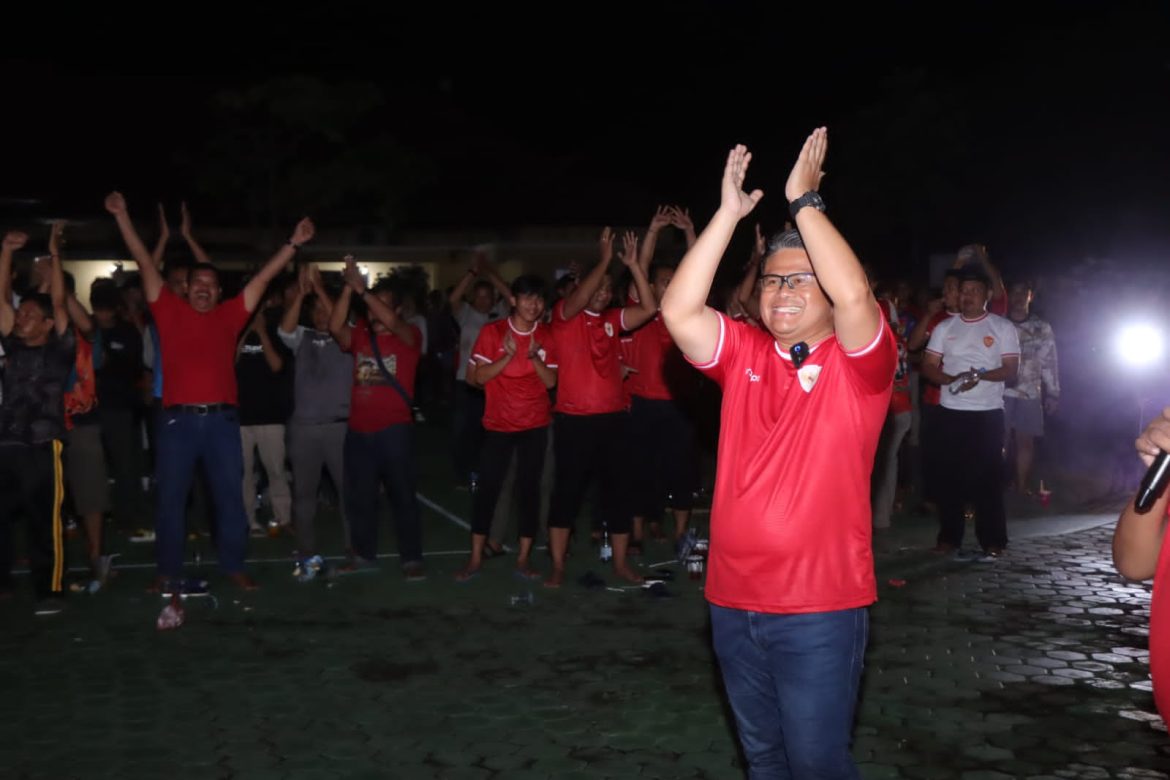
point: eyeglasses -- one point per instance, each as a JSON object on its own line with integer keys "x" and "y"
{"x": 798, "y": 281}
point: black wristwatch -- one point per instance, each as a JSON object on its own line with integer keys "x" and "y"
{"x": 810, "y": 198}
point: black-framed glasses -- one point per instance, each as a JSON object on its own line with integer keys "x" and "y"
{"x": 797, "y": 281}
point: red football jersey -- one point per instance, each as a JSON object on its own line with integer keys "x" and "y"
{"x": 791, "y": 518}
{"x": 932, "y": 393}
{"x": 1160, "y": 632}
{"x": 660, "y": 366}
{"x": 589, "y": 377}
{"x": 517, "y": 399}
{"x": 198, "y": 350}
{"x": 374, "y": 403}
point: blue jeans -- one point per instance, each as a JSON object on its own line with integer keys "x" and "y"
{"x": 184, "y": 439}
{"x": 792, "y": 681}
{"x": 385, "y": 456}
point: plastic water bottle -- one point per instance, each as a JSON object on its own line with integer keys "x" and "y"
{"x": 309, "y": 569}
{"x": 172, "y": 614}
{"x": 606, "y": 548}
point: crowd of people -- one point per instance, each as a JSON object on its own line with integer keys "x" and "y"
{"x": 582, "y": 392}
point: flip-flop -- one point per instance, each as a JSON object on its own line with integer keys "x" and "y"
{"x": 528, "y": 575}
{"x": 464, "y": 577}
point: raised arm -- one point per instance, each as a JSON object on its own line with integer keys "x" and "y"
{"x": 693, "y": 325}
{"x": 152, "y": 281}
{"x": 856, "y": 317}
{"x": 660, "y": 220}
{"x": 57, "y": 292}
{"x": 189, "y": 237}
{"x": 485, "y": 268}
{"x": 635, "y": 316}
{"x": 292, "y": 313}
{"x": 576, "y": 302}
{"x": 746, "y": 292}
{"x": 918, "y": 337}
{"x": 1139, "y": 536}
{"x": 378, "y": 309}
{"x": 254, "y": 289}
{"x": 340, "y": 329}
{"x": 681, "y": 219}
{"x": 13, "y": 241}
{"x": 456, "y": 297}
{"x": 164, "y": 235}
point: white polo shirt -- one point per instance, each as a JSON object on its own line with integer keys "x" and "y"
{"x": 979, "y": 343}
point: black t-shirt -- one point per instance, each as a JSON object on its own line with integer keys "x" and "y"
{"x": 120, "y": 371}
{"x": 265, "y": 396}
{"x": 33, "y": 410}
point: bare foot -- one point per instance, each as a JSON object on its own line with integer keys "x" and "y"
{"x": 627, "y": 574}
{"x": 556, "y": 579}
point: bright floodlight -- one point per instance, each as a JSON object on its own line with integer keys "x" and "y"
{"x": 1140, "y": 345}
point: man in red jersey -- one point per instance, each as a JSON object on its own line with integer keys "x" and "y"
{"x": 511, "y": 362}
{"x": 379, "y": 444}
{"x": 591, "y": 404}
{"x": 1140, "y": 552}
{"x": 804, "y": 399}
{"x": 200, "y": 421}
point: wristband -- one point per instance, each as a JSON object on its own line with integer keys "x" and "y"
{"x": 295, "y": 246}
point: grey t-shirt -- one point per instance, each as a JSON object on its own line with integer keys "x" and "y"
{"x": 471, "y": 322}
{"x": 324, "y": 376}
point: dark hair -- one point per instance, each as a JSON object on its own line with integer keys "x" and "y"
{"x": 481, "y": 284}
{"x": 177, "y": 265}
{"x": 971, "y": 274}
{"x": 104, "y": 295}
{"x": 43, "y": 302}
{"x": 529, "y": 284}
{"x": 196, "y": 267}
{"x": 388, "y": 284}
{"x": 953, "y": 273}
{"x": 564, "y": 282}
{"x": 785, "y": 239}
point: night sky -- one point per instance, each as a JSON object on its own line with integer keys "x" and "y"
{"x": 1044, "y": 133}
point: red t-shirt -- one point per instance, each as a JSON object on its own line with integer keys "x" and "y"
{"x": 517, "y": 399}
{"x": 791, "y": 519}
{"x": 374, "y": 404}
{"x": 1160, "y": 632}
{"x": 900, "y": 399}
{"x": 932, "y": 393}
{"x": 659, "y": 366}
{"x": 589, "y": 379}
{"x": 998, "y": 305}
{"x": 198, "y": 350}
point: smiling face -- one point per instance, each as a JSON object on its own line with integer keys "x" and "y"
{"x": 203, "y": 290}
{"x": 790, "y": 315}
{"x": 32, "y": 325}
{"x": 529, "y": 309}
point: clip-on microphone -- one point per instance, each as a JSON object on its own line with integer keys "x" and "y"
{"x": 798, "y": 353}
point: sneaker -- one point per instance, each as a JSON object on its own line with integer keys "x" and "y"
{"x": 49, "y": 606}
{"x": 989, "y": 555}
{"x": 358, "y": 565}
{"x": 414, "y": 571}
{"x": 143, "y": 536}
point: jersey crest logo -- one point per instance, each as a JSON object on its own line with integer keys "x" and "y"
{"x": 751, "y": 377}
{"x": 808, "y": 376}
{"x": 609, "y": 329}
{"x": 988, "y": 341}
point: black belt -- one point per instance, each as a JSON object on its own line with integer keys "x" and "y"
{"x": 200, "y": 408}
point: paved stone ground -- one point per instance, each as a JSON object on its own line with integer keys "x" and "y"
{"x": 1031, "y": 667}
